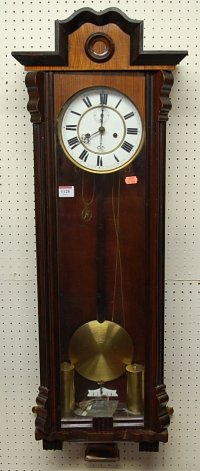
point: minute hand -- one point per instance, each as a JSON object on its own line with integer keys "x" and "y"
{"x": 101, "y": 130}
{"x": 101, "y": 127}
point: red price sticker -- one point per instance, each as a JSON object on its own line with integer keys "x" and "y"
{"x": 131, "y": 180}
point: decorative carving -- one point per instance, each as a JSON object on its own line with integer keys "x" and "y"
{"x": 166, "y": 82}
{"x": 133, "y": 28}
{"x": 161, "y": 398}
{"x": 128, "y": 434}
{"x": 34, "y": 83}
{"x": 41, "y": 422}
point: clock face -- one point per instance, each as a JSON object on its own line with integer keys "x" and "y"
{"x": 100, "y": 129}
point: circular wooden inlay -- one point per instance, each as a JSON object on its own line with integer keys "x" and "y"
{"x": 99, "y": 47}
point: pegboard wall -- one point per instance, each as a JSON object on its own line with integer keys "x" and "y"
{"x": 29, "y": 25}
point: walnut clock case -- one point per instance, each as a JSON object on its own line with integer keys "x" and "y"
{"x": 99, "y": 106}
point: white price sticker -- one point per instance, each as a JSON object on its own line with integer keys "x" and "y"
{"x": 66, "y": 191}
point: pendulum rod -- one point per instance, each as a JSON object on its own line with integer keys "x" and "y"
{"x": 101, "y": 250}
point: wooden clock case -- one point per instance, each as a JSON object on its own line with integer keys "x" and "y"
{"x": 69, "y": 289}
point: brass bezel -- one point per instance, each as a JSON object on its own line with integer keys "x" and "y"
{"x": 82, "y": 167}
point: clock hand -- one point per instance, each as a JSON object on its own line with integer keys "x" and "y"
{"x": 101, "y": 127}
{"x": 86, "y": 137}
{"x": 101, "y": 130}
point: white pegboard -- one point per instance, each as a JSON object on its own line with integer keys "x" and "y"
{"x": 29, "y": 25}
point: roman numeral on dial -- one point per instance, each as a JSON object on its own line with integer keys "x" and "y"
{"x": 84, "y": 155}
{"x": 103, "y": 98}
{"x": 127, "y": 146}
{"x": 87, "y": 101}
{"x": 116, "y": 158}
{"x": 129, "y": 115}
{"x": 75, "y": 112}
{"x": 132, "y": 131}
{"x": 99, "y": 161}
{"x": 70, "y": 127}
{"x": 118, "y": 103}
{"x": 73, "y": 142}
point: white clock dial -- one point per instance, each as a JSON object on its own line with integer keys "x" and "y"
{"x": 100, "y": 129}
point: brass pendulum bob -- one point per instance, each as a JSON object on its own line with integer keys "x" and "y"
{"x": 100, "y": 351}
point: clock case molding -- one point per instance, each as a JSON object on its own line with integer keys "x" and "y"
{"x": 157, "y": 68}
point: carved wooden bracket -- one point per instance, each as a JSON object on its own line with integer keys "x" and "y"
{"x": 34, "y": 82}
{"x": 161, "y": 400}
{"x": 166, "y": 82}
{"x": 41, "y": 422}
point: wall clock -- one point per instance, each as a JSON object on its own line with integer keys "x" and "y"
{"x": 99, "y": 105}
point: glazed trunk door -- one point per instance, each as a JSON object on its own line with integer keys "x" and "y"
{"x": 101, "y": 248}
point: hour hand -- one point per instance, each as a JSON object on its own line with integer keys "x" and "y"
{"x": 85, "y": 138}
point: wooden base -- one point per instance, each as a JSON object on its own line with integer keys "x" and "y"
{"x": 146, "y": 446}
{"x": 55, "y": 445}
{"x": 100, "y": 452}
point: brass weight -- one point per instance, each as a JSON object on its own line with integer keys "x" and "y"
{"x": 67, "y": 388}
{"x": 135, "y": 388}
